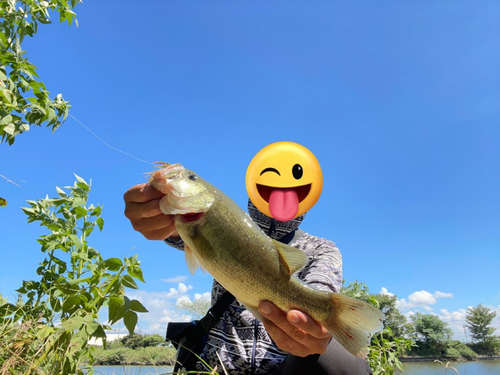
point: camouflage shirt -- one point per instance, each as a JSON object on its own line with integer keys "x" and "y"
{"x": 240, "y": 340}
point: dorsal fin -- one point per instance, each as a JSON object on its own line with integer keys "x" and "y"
{"x": 291, "y": 258}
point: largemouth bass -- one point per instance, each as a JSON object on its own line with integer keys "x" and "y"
{"x": 222, "y": 239}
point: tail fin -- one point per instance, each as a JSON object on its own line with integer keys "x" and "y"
{"x": 352, "y": 322}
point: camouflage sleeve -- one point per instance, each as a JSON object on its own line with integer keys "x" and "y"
{"x": 178, "y": 244}
{"x": 324, "y": 268}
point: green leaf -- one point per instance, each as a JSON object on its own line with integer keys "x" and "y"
{"x": 61, "y": 192}
{"x": 129, "y": 282}
{"x": 80, "y": 180}
{"x": 55, "y": 303}
{"x": 78, "y": 202}
{"x": 8, "y": 95}
{"x": 78, "y": 340}
{"x": 92, "y": 326}
{"x": 113, "y": 264}
{"x": 6, "y": 120}
{"x": 137, "y": 306}
{"x": 44, "y": 332}
{"x": 136, "y": 272}
{"x": 68, "y": 288}
{"x": 9, "y": 129}
{"x": 96, "y": 211}
{"x": 76, "y": 241}
{"x": 99, "y": 332}
{"x": 115, "y": 312}
{"x": 100, "y": 223}
{"x": 7, "y": 309}
{"x": 73, "y": 323}
{"x": 70, "y": 303}
{"x": 80, "y": 212}
{"x": 130, "y": 321}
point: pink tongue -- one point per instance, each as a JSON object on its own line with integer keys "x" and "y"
{"x": 283, "y": 204}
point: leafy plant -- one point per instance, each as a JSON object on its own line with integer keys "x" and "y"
{"x": 432, "y": 334}
{"x": 197, "y": 308}
{"x": 456, "y": 347}
{"x": 48, "y": 329}
{"x": 385, "y": 348}
{"x": 479, "y": 323}
{"x": 24, "y": 99}
{"x": 135, "y": 341}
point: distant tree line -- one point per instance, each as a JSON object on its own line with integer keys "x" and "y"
{"x": 430, "y": 336}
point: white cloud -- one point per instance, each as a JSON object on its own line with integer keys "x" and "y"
{"x": 176, "y": 279}
{"x": 385, "y": 292}
{"x": 185, "y": 300}
{"x": 181, "y": 289}
{"x": 203, "y": 297}
{"x": 162, "y": 309}
{"x": 439, "y": 295}
{"x": 423, "y": 299}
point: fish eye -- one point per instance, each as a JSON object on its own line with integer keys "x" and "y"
{"x": 297, "y": 171}
{"x": 193, "y": 177}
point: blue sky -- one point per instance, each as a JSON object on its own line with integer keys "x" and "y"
{"x": 399, "y": 101}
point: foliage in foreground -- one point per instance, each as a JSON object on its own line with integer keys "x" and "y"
{"x": 385, "y": 348}
{"x": 47, "y": 330}
{"x": 24, "y": 100}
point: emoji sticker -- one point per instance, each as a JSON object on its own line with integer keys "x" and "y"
{"x": 284, "y": 180}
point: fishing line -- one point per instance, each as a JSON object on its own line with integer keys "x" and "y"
{"x": 107, "y": 144}
{"x": 9, "y": 180}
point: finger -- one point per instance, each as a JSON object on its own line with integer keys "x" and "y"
{"x": 141, "y": 193}
{"x": 284, "y": 341}
{"x": 135, "y": 211}
{"x": 301, "y": 336}
{"x": 160, "y": 234}
{"x": 279, "y": 319}
{"x": 307, "y": 324}
{"x": 155, "y": 223}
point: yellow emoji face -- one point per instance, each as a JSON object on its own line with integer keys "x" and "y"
{"x": 284, "y": 180}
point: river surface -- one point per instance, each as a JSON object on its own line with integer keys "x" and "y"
{"x": 464, "y": 368}
{"x": 411, "y": 368}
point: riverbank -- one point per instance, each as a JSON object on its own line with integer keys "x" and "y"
{"x": 461, "y": 359}
{"x": 150, "y": 356}
{"x": 165, "y": 356}
{"x": 415, "y": 368}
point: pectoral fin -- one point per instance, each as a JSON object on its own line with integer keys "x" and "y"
{"x": 291, "y": 259}
{"x": 191, "y": 260}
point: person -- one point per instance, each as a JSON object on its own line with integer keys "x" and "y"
{"x": 285, "y": 342}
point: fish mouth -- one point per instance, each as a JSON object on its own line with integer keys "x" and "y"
{"x": 301, "y": 191}
{"x": 192, "y": 216}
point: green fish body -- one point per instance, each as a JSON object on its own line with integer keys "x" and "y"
{"x": 222, "y": 239}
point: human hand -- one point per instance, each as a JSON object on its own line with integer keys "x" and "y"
{"x": 294, "y": 332}
{"x": 142, "y": 208}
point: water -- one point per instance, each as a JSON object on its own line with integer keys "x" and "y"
{"x": 132, "y": 370}
{"x": 411, "y": 368}
{"x": 463, "y": 368}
